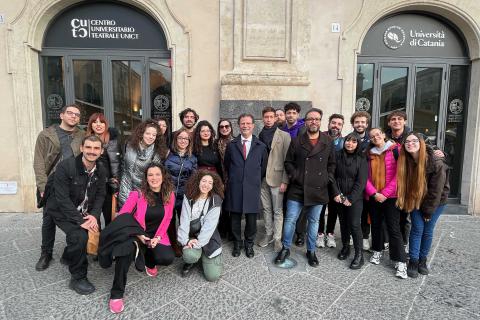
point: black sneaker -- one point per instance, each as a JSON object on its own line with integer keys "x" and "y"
{"x": 82, "y": 286}
{"x": 187, "y": 267}
{"x": 412, "y": 269}
{"x": 44, "y": 261}
{"x": 422, "y": 267}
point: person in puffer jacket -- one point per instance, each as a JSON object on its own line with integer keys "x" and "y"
{"x": 181, "y": 164}
{"x": 381, "y": 191}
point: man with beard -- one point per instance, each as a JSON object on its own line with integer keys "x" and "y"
{"x": 310, "y": 165}
{"x": 189, "y": 118}
{"x": 293, "y": 125}
{"x": 55, "y": 143}
{"x": 280, "y": 117}
{"x": 335, "y": 126}
{"x": 75, "y": 206}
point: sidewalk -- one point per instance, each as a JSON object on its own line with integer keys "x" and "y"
{"x": 250, "y": 288}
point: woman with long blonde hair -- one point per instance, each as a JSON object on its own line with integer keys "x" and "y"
{"x": 422, "y": 185}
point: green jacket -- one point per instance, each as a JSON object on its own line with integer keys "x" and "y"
{"x": 47, "y": 148}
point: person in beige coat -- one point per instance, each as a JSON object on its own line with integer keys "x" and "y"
{"x": 275, "y": 182}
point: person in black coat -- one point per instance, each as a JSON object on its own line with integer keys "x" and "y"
{"x": 246, "y": 163}
{"x": 351, "y": 175}
{"x": 75, "y": 205}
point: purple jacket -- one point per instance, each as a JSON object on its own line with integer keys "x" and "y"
{"x": 295, "y": 129}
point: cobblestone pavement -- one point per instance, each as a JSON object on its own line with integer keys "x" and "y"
{"x": 249, "y": 288}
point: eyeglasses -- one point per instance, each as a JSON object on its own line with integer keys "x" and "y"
{"x": 183, "y": 138}
{"x": 227, "y": 126}
{"x": 313, "y": 119}
{"x": 413, "y": 141}
{"x": 71, "y": 113}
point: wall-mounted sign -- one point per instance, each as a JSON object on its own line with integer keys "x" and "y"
{"x": 2, "y": 18}
{"x": 413, "y": 35}
{"x": 335, "y": 27}
{"x": 8, "y": 187}
{"x": 104, "y": 25}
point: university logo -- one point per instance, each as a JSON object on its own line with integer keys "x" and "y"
{"x": 362, "y": 104}
{"x": 394, "y": 37}
{"x": 161, "y": 103}
{"x": 456, "y": 106}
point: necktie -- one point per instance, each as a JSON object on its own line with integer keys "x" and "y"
{"x": 245, "y": 149}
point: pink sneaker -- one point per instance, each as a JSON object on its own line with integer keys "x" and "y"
{"x": 151, "y": 272}
{"x": 116, "y": 305}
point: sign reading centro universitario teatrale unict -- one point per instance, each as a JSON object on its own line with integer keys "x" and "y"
{"x": 104, "y": 25}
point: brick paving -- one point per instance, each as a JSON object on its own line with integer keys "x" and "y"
{"x": 249, "y": 288}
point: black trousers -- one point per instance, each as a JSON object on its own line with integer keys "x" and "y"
{"x": 350, "y": 221}
{"x": 364, "y": 222}
{"x": 405, "y": 226}
{"x": 301, "y": 225}
{"x": 391, "y": 214}
{"x": 224, "y": 223}
{"x": 48, "y": 233}
{"x": 107, "y": 207}
{"x": 250, "y": 227}
{"x": 331, "y": 219}
{"x": 75, "y": 253}
{"x": 160, "y": 255}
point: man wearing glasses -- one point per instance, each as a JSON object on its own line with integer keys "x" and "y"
{"x": 75, "y": 205}
{"x": 55, "y": 143}
{"x": 310, "y": 165}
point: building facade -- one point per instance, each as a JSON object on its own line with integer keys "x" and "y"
{"x": 137, "y": 59}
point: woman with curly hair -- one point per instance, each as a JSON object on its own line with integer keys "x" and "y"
{"x": 145, "y": 146}
{"x": 110, "y": 158}
{"x": 422, "y": 184}
{"x": 208, "y": 157}
{"x": 198, "y": 232}
{"x": 152, "y": 207}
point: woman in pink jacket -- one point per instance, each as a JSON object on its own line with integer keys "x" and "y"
{"x": 152, "y": 206}
{"x": 381, "y": 191}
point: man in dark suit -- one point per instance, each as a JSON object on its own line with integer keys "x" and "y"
{"x": 246, "y": 162}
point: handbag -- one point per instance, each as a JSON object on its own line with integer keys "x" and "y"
{"x": 92, "y": 244}
{"x": 196, "y": 224}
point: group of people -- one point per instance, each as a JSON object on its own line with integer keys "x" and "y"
{"x": 180, "y": 193}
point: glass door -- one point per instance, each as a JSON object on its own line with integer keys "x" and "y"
{"x": 393, "y": 91}
{"x": 127, "y": 85}
{"x": 429, "y": 97}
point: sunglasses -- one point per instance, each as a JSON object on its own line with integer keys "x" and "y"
{"x": 227, "y": 126}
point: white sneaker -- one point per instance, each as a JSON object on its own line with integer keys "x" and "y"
{"x": 386, "y": 246}
{"x": 406, "y": 248}
{"x": 375, "y": 259}
{"x": 331, "y": 241}
{"x": 320, "y": 243}
{"x": 366, "y": 244}
{"x": 351, "y": 241}
{"x": 402, "y": 270}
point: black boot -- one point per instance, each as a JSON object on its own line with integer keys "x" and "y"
{"x": 312, "y": 259}
{"x": 82, "y": 286}
{"x": 249, "y": 250}
{"x": 422, "y": 266}
{"x": 236, "y": 249}
{"x": 300, "y": 240}
{"x": 412, "y": 269}
{"x": 357, "y": 261}
{"x": 44, "y": 261}
{"x": 187, "y": 267}
{"x": 344, "y": 253}
{"x": 282, "y": 255}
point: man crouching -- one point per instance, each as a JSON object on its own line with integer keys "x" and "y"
{"x": 75, "y": 205}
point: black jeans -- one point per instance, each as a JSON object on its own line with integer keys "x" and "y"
{"x": 405, "y": 226}
{"x": 250, "y": 227}
{"x": 160, "y": 255}
{"x": 48, "y": 233}
{"x": 364, "y": 221}
{"x": 301, "y": 225}
{"x": 75, "y": 253}
{"x": 391, "y": 214}
{"x": 107, "y": 207}
{"x": 350, "y": 220}
{"x": 331, "y": 219}
{"x": 224, "y": 223}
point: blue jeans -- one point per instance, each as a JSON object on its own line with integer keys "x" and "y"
{"x": 293, "y": 211}
{"x": 421, "y": 234}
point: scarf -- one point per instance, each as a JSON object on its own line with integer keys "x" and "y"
{"x": 266, "y": 136}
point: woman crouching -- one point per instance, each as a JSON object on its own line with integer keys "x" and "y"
{"x": 198, "y": 232}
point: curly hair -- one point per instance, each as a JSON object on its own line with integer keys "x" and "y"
{"x": 184, "y": 113}
{"x": 197, "y": 141}
{"x": 137, "y": 137}
{"x": 192, "y": 189}
{"x": 165, "y": 190}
